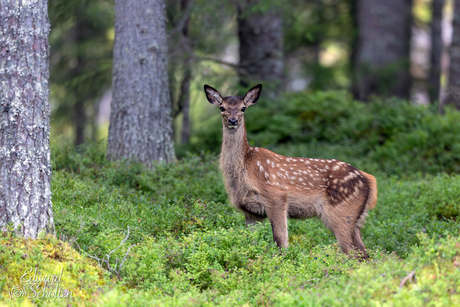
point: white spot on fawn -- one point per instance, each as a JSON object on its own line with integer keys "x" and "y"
{"x": 349, "y": 176}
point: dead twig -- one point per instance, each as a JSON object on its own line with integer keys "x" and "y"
{"x": 116, "y": 268}
{"x": 403, "y": 281}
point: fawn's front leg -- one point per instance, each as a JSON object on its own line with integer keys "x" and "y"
{"x": 278, "y": 219}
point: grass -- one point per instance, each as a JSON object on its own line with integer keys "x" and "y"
{"x": 188, "y": 247}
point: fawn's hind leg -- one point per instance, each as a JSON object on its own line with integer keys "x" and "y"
{"x": 347, "y": 234}
{"x": 349, "y": 238}
{"x": 358, "y": 243}
{"x": 344, "y": 235}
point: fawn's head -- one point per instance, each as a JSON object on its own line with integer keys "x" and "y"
{"x": 232, "y": 108}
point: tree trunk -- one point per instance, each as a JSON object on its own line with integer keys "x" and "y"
{"x": 436, "y": 50}
{"x": 25, "y": 169}
{"x": 382, "y": 56}
{"x": 79, "y": 117}
{"x": 261, "y": 47}
{"x": 184, "y": 97}
{"x": 140, "y": 120}
{"x": 184, "y": 100}
{"x": 453, "y": 91}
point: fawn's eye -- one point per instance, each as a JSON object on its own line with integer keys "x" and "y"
{"x": 222, "y": 109}
{"x": 244, "y": 108}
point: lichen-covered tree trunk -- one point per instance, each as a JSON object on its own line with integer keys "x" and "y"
{"x": 261, "y": 47}
{"x": 453, "y": 90}
{"x": 140, "y": 119}
{"x": 25, "y": 169}
{"x": 436, "y": 50}
{"x": 381, "y": 64}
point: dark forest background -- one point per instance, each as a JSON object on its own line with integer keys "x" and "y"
{"x": 365, "y": 48}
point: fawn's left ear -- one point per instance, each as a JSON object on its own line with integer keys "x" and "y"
{"x": 213, "y": 95}
{"x": 252, "y": 95}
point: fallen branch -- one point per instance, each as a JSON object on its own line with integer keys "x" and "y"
{"x": 403, "y": 281}
{"x": 115, "y": 269}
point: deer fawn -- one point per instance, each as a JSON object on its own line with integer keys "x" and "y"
{"x": 264, "y": 184}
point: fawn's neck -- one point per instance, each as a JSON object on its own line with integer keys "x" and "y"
{"x": 233, "y": 155}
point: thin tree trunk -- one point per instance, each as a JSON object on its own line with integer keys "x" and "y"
{"x": 25, "y": 169}
{"x": 453, "y": 91}
{"x": 140, "y": 120}
{"x": 184, "y": 97}
{"x": 79, "y": 118}
{"x": 261, "y": 47}
{"x": 436, "y": 51}
{"x": 184, "y": 100}
{"x": 382, "y": 56}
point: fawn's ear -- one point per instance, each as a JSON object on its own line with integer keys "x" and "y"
{"x": 213, "y": 95}
{"x": 252, "y": 95}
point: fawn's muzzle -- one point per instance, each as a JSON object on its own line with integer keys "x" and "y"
{"x": 232, "y": 123}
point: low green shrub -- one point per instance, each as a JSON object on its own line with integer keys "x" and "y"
{"x": 190, "y": 247}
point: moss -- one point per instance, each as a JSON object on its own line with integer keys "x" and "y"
{"x": 45, "y": 258}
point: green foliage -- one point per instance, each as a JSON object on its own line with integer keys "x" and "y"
{"x": 310, "y": 29}
{"x": 189, "y": 247}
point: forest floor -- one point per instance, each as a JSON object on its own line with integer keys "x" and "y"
{"x": 187, "y": 246}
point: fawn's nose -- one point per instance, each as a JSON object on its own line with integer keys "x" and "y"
{"x": 233, "y": 121}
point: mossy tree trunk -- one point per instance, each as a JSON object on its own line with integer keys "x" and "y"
{"x": 261, "y": 46}
{"x": 25, "y": 169}
{"x": 381, "y": 63}
{"x": 140, "y": 119}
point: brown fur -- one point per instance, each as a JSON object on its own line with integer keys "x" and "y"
{"x": 264, "y": 184}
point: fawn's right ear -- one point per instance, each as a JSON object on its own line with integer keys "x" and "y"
{"x": 213, "y": 95}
